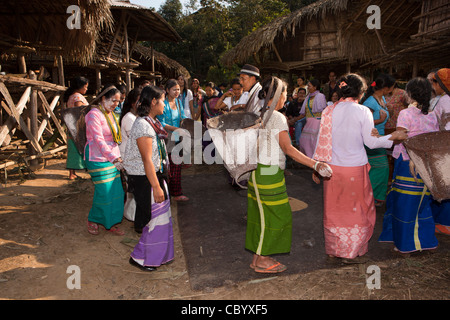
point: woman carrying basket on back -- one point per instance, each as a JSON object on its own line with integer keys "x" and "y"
{"x": 269, "y": 215}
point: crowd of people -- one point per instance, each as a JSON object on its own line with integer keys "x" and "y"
{"x": 345, "y": 131}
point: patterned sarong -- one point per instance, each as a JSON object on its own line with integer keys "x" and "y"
{"x": 155, "y": 247}
{"x": 349, "y": 212}
{"x": 108, "y": 202}
{"x": 408, "y": 221}
{"x": 269, "y": 214}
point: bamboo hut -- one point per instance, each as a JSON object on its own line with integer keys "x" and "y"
{"x": 335, "y": 34}
{"x": 132, "y": 24}
{"x": 29, "y": 105}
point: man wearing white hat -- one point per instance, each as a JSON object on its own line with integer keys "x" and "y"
{"x": 249, "y": 77}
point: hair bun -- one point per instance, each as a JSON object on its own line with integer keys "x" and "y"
{"x": 262, "y": 95}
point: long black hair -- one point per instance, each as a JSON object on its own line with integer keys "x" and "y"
{"x": 131, "y": 98}
{"x": 382, "y": 81}
{"x": 76, "y": 84}
{"x": 148, "y": 93}
{"x": 419, "y": 89}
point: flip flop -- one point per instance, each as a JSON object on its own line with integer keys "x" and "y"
{"x": 116, "y": 231}
{"x": 276, "y": 268}
{"x": 92, "y": 227}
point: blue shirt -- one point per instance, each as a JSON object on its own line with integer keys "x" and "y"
{"x": 172, "y": 117}
{"x": 373, "y": 104}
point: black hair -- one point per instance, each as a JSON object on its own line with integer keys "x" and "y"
{"x": 266, "y": 86}
{"x": 113, "y": 91}
{"x": 382, "y": 81}
{"x": 315, "y": 83}
{"x": 148, "y": 93}
{"x": 211, "y": 85}
{"x": 352, "y": 85}
{"x": 131, "y": 98}
{"x": 235, "y": 81}
{"x": 301, "y": 77}
{"x": 76, "y": 84}
{"x": 122, "y": 88}
{"x": 185, "y": 87}
{"x": 302, "y": 89}
{"x": 170, "y": 84}
{"x": 419, "y": 89}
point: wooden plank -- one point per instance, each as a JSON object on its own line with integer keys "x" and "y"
{"x": 8, "y": 126}
{"x": 47, "y": 116}
{"x": 41, "y": 85}
{"x": 16, "y": 114}
{"x": 52, "y": 115}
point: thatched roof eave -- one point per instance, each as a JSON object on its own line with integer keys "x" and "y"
{"x": 42, "y": 25}
{"x": 264, "y": 37}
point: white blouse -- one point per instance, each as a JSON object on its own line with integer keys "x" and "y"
{"x": 352, "y": 126}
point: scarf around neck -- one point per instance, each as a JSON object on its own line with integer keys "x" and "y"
{"x": 324, "y": 142}
{"x": 116, "y": 134}
{"x": 162, "y": 135}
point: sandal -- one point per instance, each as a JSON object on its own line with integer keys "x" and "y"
{"x": 92, "y": 227}
{"x": 116, "y": 231}
{"x": 275, "y": 268}
{"x": 181, "y": 198}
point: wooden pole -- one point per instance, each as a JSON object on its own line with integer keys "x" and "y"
{"x": 61, "y": 71}
{"x": 33, "y": 118}
{"x": 21, "y": 62}
{"x": 415, "y": 70}
{"x": 98, "y": 80}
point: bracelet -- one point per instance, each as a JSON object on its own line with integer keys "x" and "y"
{"x": 315, "y": 165}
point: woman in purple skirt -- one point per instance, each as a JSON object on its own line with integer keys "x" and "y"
{"x": 146, "y": 164}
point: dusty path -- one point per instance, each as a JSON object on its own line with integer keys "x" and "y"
{"x": 42, "y": 234}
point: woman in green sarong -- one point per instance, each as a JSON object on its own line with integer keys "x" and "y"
{"x": 269, "y": 215}
{"x": 375, "y": 100}
{"x": 104, "y": 162}
{"x": 74, "y": 97}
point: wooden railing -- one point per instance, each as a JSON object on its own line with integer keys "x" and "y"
{"x": 40, "y": 100}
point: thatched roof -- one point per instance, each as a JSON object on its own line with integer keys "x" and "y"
{"x": 167, "y": 67}
{"x": 328, "y": 31}
{"x": 41, "y": 26}
{"x": 264, "y": 36}
{"x": 146, "y": 23}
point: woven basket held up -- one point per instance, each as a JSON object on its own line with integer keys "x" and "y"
{"x": 235, "y": 137}
{"x": 430, "y": 153}
{"x": 76, "y": 126}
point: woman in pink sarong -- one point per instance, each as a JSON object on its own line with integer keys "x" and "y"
{"x": 349, "y": 207}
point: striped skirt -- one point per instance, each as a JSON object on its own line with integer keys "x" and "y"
{"x": 155, "y": 247}
{"x": 349, "y": 212}
{"x": 408, "y": 221}
{"x": 108, "y": 202}
{"x": 269, "y": 214}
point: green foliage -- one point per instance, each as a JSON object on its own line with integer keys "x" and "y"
{"x": 211, "y": 27}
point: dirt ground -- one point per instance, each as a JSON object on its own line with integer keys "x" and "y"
{"x": 43, "y": 233}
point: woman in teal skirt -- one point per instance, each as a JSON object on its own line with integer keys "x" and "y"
{"x": 269, "y": 215}
{"x": 103, "y": 161}
{"x": 74, "y": 97}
